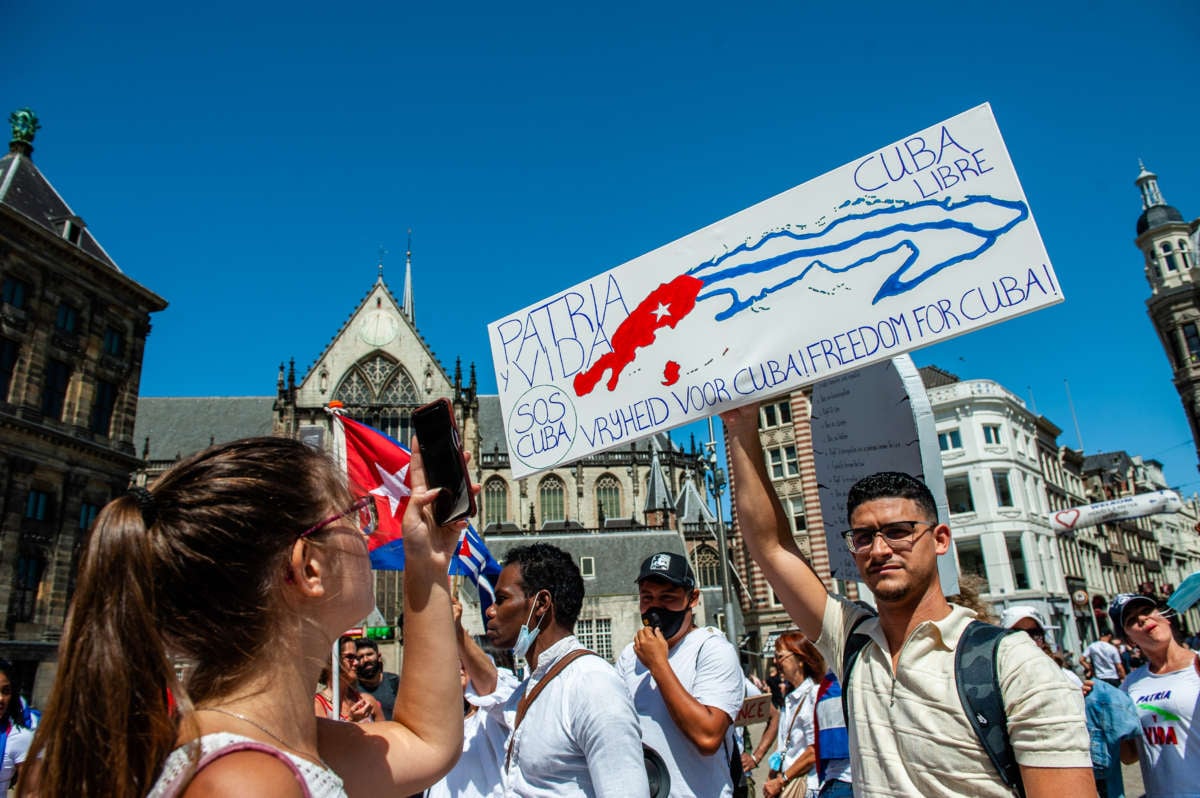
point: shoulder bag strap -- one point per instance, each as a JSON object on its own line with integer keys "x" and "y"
{"x": 855, "y": 642}
{"x": 529, "y": 698}
{"x": 976, "y": 672}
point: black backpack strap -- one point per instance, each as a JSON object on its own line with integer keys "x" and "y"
{"x": 854, "y": 647}
{"x": 976, "y": 671}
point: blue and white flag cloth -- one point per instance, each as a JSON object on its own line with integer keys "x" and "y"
{"x": 475, "y": 562}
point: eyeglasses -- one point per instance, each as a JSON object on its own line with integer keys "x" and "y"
{"x": 782, "y": 657}
{"x": 363, "y": 507}
{"x": 899, "y": 535}
{"x": 1036, "y": 634}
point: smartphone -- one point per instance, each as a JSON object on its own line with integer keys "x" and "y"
{"x": 445, "y": 464}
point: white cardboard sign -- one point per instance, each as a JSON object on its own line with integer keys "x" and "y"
{"x": 875, "y": 419}
{"x": 922, "y": 240}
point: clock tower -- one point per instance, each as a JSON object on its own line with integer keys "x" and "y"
{"x": 1169, "y": 249}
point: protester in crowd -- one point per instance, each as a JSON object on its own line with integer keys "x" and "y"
{"x": 778, "y": 686}
{"x": 15, "y": 734}
{"x": 355, "y": 706}
{"x": 909, "y": 733}
{"x": 477, "y": 772}
{"x": 792, "y": 771}
{"x": 1109, "y": 713}
{"x": 572, "y": 728}
{"x": 241, "y": 566}
{"x": 832, "y": 741}
{"x": 1101, "y": 660}
{"x": 1166, "y": 691}
{"x": 686, "y": 681}
{"x": 372, "y": 678}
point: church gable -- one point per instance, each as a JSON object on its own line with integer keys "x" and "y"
{"x": 376, "y": 359}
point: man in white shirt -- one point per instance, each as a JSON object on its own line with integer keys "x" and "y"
{"x": 1104, "y": 661}
{"x": 686, "y": 681}
{"x": 573, "y": 730}
{"x": 909, "y": 734}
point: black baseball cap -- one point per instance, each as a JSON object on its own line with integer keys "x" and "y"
{"x": 669, "y": 567}
{"x": 1121, "y": 604}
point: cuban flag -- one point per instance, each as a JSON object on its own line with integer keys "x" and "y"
{"x": 378, "y": 463}
{"x": 475, "y": 562}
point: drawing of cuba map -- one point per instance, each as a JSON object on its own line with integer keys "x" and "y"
{"x": 922, "y": 240}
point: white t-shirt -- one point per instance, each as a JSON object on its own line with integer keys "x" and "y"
{"x": 579, "y": 738}
{"x": 477, "y": 772}
{"x": 1104, "y": 658}
{"x": 1170, "y": 741}
{"x": 707, "y": 666}
{"x": 15, "y": 749}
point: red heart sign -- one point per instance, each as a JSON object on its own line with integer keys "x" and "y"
{"x": 1067, "y": 518}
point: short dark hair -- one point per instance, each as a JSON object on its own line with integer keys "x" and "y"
{"x": 549, "y": 568}
{"x": 891, "y": 485}
{"x": 366, "y": 642}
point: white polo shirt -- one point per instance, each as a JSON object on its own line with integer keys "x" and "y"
{"x": 580, "y": 737}
{"x": 909, "y": 734}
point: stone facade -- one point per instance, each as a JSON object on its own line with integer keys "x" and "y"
{"x": 73, "y": 330}
{"x": 1168, "y": 245}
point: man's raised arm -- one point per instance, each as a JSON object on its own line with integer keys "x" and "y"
{"x": 764, "y": 525}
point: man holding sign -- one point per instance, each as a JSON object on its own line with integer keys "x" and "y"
{"x": 686, "y": 682}
{"x": 909, "y": 732}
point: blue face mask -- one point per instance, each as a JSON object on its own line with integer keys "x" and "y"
{"x": 526, "y": 636}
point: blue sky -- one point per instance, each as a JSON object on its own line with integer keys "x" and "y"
{"x": 246, "y": 161}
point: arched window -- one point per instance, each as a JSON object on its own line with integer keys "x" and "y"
{"x": 708, "y": 567}
{"x": 552, "y": 499}
{"x": 608, "y": 498}
{"x": 495, "y": 502}
{"x": 1184, "y": 254}
{"x": 379, "y": 391}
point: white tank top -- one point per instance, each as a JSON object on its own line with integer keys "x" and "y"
{"x": 321, "y": 782}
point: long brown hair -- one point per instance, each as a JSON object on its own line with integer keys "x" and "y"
{"x": 796, "y": 643}
{"x": 187, "y": 573}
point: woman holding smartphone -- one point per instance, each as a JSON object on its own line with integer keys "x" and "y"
{"x": 204, "y": 610}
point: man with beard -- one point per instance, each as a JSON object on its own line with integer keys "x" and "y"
{"x": 686, "y": 682}
{"x": 572, "y": 727}
{"x": 909, "y": 733}
{"x": 373, "y": 679}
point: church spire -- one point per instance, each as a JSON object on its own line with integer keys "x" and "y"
{"x": 1147, "y": 182}
{"x": 407, "y": 306}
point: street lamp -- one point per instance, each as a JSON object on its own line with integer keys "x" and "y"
{"x": 714, "y": 481}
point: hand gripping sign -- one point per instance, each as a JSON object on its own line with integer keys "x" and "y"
{"x": 920, "y": 241}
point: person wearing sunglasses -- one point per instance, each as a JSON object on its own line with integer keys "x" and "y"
{"x": 204, "y": 610}
{"x": 1166, "y": 691}
{"x": 909, "y": 734}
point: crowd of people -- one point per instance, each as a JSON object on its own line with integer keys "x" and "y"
{"x": 909, "y": 694}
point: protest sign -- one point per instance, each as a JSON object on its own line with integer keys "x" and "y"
{"x": 875, "y": 419}
{"x": 920, "y": 241}
{"x": 756, "y": 709}
{"x": 1159, "y": 501}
